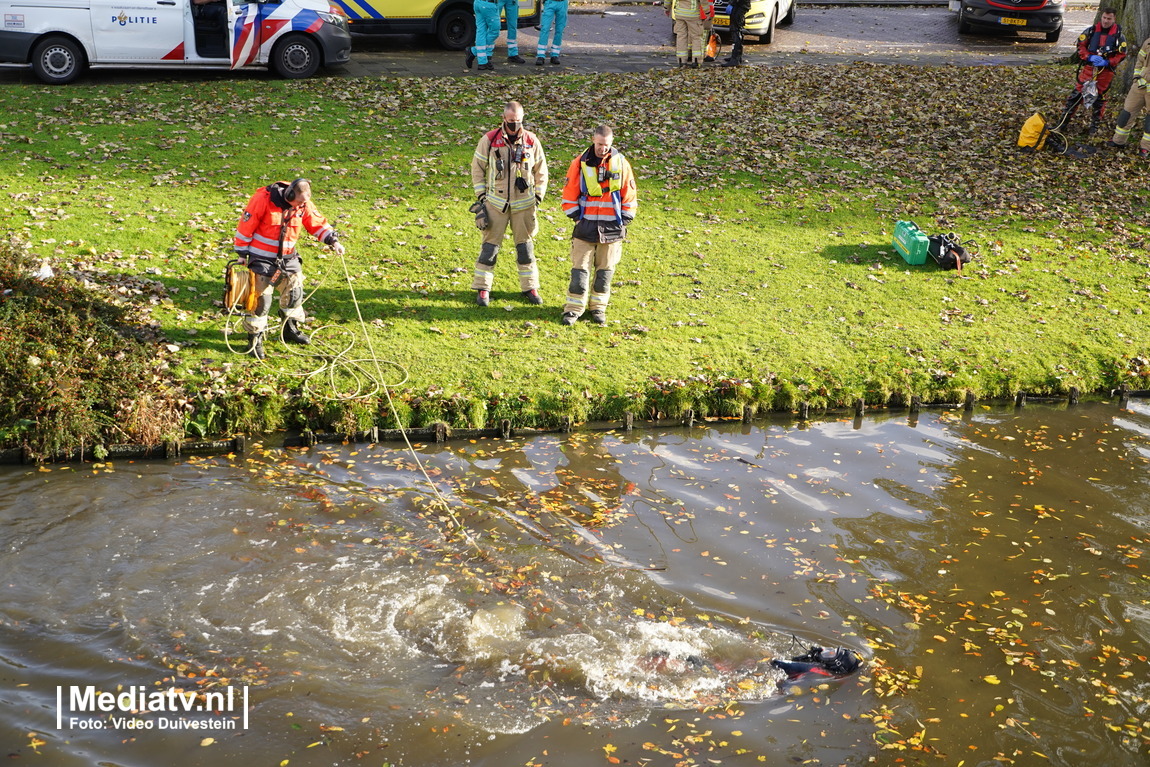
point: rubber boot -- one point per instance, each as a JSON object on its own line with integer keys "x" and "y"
{"x": 293, "y": 334}
{"x": 256, "y": 346}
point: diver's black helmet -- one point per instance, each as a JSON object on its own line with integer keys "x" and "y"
{"x": 839, "y": 660}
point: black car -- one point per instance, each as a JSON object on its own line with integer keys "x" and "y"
{"x": 1018, "y": 15}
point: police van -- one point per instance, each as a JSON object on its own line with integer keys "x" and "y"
{"x": 60, "y": 38}
{"x": 451, "y": 21}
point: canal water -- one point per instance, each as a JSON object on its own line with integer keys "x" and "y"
{"x": 593, "y": 598}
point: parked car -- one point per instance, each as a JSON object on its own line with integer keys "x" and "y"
{"x": 761, "y": 20}
{"x": 59, "y": 39}
{"x": 1043, "y": 16}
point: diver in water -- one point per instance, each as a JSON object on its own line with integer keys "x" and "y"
{"x": 819, "y": 664}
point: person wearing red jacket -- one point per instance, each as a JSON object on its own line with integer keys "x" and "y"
{"x": 265, "y": 240}
{"x": 599, "y": 196}
{"x": 1101, "y": 48}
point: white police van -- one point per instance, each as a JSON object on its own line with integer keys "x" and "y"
{"x": 60, "y": 38}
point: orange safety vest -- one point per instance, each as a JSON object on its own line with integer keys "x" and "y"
{"x": 600, "y": 193}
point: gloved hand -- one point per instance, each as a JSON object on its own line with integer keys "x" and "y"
{"x": 1098, "y": 61}
{"x": 482, "y": 219}
{"x": 338, "y": 247}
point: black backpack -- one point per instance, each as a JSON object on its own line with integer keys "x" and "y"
{"x": 947, "y": 251}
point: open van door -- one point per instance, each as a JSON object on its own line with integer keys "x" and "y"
{"x": 211, "y": 30}
{"x": 284, "y": 34}
{"x": 244, "y": 35}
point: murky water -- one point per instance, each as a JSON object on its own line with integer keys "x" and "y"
{"x": 616, "y": 599}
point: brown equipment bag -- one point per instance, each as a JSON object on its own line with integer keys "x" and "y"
{"x": 239, "y": 295}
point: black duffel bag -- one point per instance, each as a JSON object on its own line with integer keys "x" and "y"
{"x": 947, "y": 251}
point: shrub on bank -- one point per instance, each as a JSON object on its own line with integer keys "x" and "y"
{"x": 78, "y": 368}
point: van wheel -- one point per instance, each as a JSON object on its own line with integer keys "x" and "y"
{"x": 769, "y": 36}
{"x": 789, "y": 19}
{"x": 1052, "y": 37}
{"x": 58, "y": 60}
{"x": 296, "y": 57}
{"x": 456, "y": 29}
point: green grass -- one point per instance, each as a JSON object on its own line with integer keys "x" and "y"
{"x": 759, "y": 271}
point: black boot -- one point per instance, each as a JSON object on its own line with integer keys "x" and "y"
{"x": 256, "y": 346}
{"x": 293, "y": 334}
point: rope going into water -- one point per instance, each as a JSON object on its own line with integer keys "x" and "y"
{"x": 336, "y": 362}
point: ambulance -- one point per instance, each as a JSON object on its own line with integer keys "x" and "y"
{"x": 451, "y": 21}
{"x": 59, "y": 39}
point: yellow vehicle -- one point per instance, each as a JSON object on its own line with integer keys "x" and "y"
{"x": 761, "y": 20}
{"x": 451, "y": 21}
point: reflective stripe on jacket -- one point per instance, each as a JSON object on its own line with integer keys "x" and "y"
{"x": 689, "y": 9}
{"x": 1140, "y": 62}
{"x": 266, "y": 223}
{"x": 494, "y": 170}
{"x": 609, "y": 196}
{"x": 600, "y": 198}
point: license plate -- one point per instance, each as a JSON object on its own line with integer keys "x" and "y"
{"x": 1015, "y": 22}
{"x": 722, "y": 21}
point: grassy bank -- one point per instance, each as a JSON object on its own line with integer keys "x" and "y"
{"x": 759, "y": 271}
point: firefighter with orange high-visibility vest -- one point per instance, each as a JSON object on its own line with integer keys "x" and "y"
{"x": 265, "y": 240}
{"x": 509, "y": 177}
{"x": 600, "y": 197}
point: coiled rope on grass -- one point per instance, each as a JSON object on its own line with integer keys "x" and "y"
{"x": 337, "y": 364}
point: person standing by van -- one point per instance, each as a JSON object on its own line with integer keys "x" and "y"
{"x": 486, "y": 31}
{"x": 599, "y": 197}
{"x": 554, "y": 17}
{"x": 688, "y": 17}
{"x": 509, "y": 176}
{"x": 1101, "y": 48}
{"x": 266, "y": 241}
{"x": 511, "y": 14}
{"x": 737, "y": 23}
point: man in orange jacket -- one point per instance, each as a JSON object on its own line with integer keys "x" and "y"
{"x": 600, "y": 197}
{"x": 266, "y": 241}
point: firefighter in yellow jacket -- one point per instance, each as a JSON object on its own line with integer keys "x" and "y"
{"x": 1137, "y": 100}
{"x": 599, "y": 196}
{"x": 688, "y": 17}
{"x": 265, "y": 240}
{"x": 509, "y": 176}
